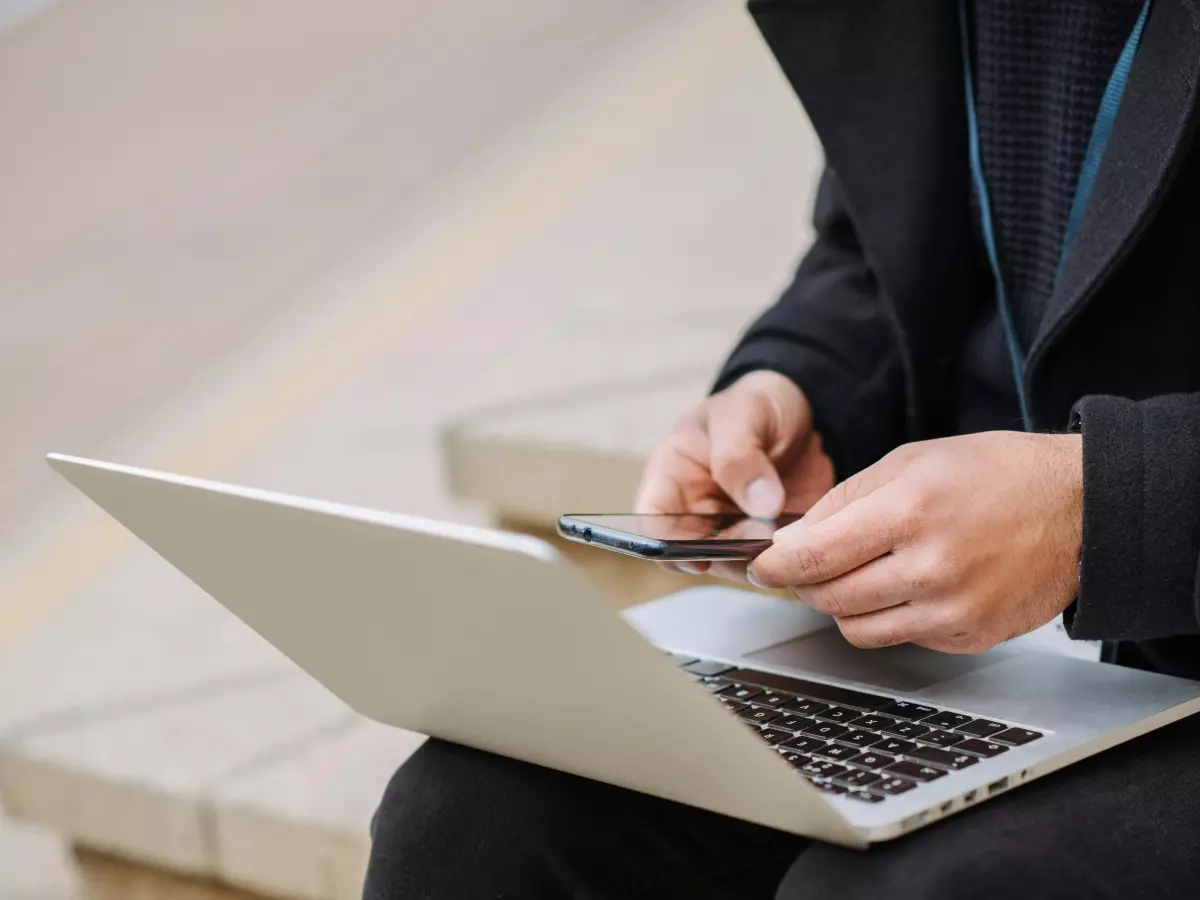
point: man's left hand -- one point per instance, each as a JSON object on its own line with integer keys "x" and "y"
{"x": 954, "y": 544}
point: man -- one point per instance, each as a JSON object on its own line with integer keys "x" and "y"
{"x": 994, "y": 348}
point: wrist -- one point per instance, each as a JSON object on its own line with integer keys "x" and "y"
{"x": 1067, "y": 469}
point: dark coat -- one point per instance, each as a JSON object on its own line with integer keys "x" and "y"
{"x": 874, "y": 326}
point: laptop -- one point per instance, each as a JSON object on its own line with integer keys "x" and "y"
{"x": 724, "y": 699}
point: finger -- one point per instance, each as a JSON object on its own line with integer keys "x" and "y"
{"x": 860, "y": 533}
{"x": 739, "y": 462}
{"x": 729, "y": 570}
{"x": 662, "y": 494}
{"x": 866, "y": 589}
{"x": 885, "y": 628}
{"x": 855, "y": 487}
{"x": 659, "y": 493}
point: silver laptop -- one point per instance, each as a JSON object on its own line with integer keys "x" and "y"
{"x": 727, "y": 700}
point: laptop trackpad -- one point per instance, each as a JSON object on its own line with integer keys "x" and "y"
{"x": 901, "y": 669}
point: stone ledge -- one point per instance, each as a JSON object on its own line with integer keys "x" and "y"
{"x": 36, "y": 864}
{"x": 138, "y": 783}
{"x": 299, "y": 827}
{"x": 580, "y": 451}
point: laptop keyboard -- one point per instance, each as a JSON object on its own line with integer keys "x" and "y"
{"x": 866, "y": 747}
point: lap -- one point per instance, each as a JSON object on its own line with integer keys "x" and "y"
{"x": 456, "y": 822}
{"x": 460, "y": 823}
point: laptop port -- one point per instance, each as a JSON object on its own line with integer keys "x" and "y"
{"x": 971, "y": 797}
{"x": 997, "y": 786}
{"x": 947, "y": 806}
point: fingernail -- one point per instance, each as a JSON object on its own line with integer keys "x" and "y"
{"x": 764, "y": 498}
{"x": 690, "y": 569}
{"x": 753, "y": 579}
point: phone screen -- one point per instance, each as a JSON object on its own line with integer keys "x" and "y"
{"x": 691, "y": 526}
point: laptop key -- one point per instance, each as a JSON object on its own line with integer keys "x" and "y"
{"x": 837, "y": 752}
{"x": 739, "y": 691}
{"x": 908, "y": 730}
{"x": 682, "y": 659}
{"x": 758, "y": 715}
{"x": 981, "y": 748}
{"x": 707, "y": 667}
{"x": 828, "y": 787}
{"x": 713, "y": 685}
{"x": 903, "y": 709}
{"x": 866, "y": 797}
{"x": 894, "y": 745}
{"x": 771, "y": 736}
{"x": 894, "y": 786}
{"x": 805, "y": 707}
{"x": 943, "y": 738}
{"x": 735, "y": 706}
{"x": 946, "y": 720}
{"x": 840, "y": 714}
{"x": 982, "y": 728}
{"x": 827, "y": 730}
{"x": 820, "y": 768}
{"x": 860, "y": 778}
{"x": 791, "y": 722}
{"x": 873, "y": 722}
{"x": 814, "y": 690}
{"x": 1017, "y": 736}
{"x": 805, "y": 744}
{"x": 873, "y": 760}
{"x": 774, "y": 698}
{"x": 860, "y": 739}
{"x": 796, "y": 759}
{"x": 915, "y": 771}
{"x": 947, "y": 759}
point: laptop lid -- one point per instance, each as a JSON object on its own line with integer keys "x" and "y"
{"x": 479, "y": 637}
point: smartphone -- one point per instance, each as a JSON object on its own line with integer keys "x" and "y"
{"x": 681, "y": 536}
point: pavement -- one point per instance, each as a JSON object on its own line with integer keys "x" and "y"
{"x": 331, "y": 258}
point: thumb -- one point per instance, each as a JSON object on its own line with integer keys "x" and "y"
{"x": 738, "y": 430}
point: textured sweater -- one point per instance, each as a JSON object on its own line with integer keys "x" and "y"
{"x": 1041, "y": 68}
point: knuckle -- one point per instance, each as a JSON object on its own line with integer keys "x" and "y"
{"x": 843, "y": 493}
{"x": 854, "y": 634}
{"x": 866, "y": 637}
{"x": 730, "y": 457}
{"x": 958, "y": 622}
{"x": 930, "y": 573}
{"x": 914, "y": 508}
{"x": 809, "y": 565}
{"x": 919, "y": 580}
{"x": 963, "y": 643}
{"x": 827, "y": 601}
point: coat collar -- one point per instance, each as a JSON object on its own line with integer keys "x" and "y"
{"x": 1149, "y": 136}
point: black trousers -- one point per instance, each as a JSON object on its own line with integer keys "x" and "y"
{"x": 458, "y": 823}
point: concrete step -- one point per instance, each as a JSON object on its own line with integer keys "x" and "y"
{"x": 36, "y": 864}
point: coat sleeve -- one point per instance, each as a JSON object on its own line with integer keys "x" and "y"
{"x": 831, "y": 333}
{"x": 1141, "y": 518}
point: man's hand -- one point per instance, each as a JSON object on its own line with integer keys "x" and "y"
{"x": 751, "y": 447}
{"x": 954, "y": 544}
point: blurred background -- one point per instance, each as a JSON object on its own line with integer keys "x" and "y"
{"x": 458, "y": 258}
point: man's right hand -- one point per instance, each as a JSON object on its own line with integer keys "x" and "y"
{"x": 751, "y": 448}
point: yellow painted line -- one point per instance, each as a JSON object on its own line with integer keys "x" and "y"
{"x": 530, "y": 199}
